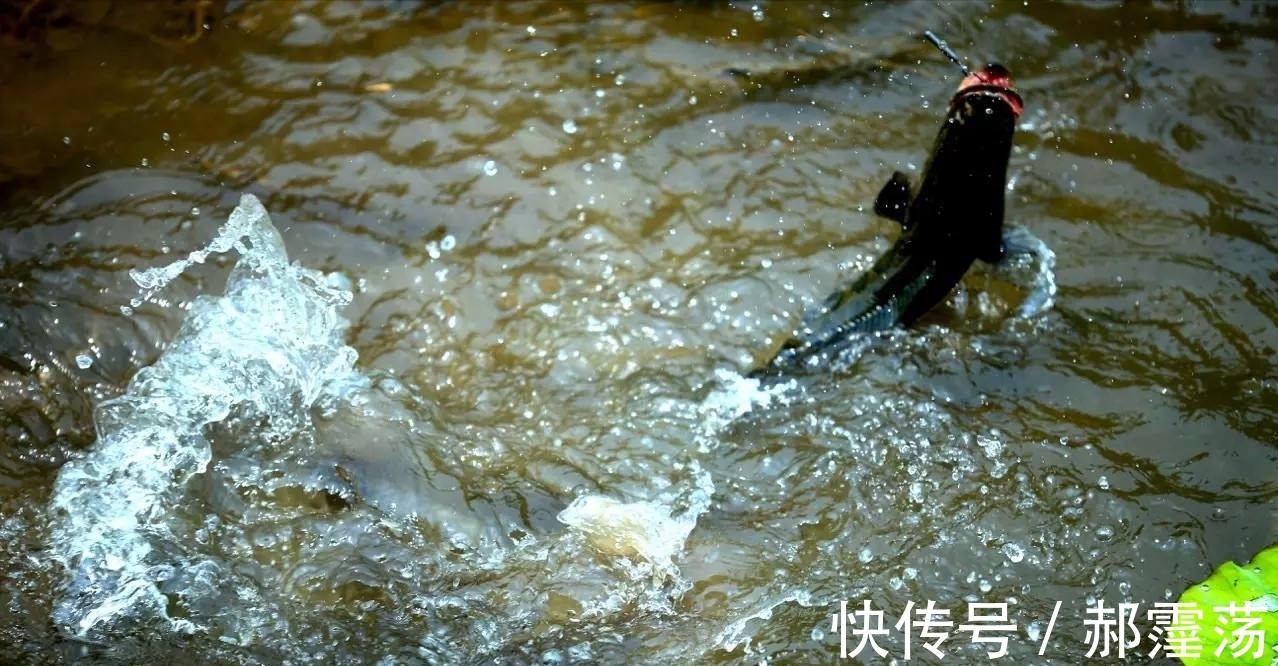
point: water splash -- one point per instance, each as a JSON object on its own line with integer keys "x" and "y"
{"x": 1028, "y": 254}
{"x": 653, "y": 532}
{"x": 271, "y": 347}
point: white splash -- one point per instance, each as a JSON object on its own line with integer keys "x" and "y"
{"x": 1028, "y": 253}
{"x": 649, "y": 531}
{"x": 272, "y": 346}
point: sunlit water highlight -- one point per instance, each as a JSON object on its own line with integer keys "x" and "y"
{"x": 566, "y": 236}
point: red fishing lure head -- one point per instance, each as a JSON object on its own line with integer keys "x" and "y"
{"x": 993, "y": 80}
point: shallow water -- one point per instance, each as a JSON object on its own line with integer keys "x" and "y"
{"x": 566, "y": 234}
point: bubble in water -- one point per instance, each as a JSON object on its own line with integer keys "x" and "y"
{"x": 448, "y": 243}
{"x": 865, "y": 555}
{"x": 165, "y": 137}
{"x": 1104, "y": 533}
{"x": 490, "y": 168}
{"x": 570, "y": 127}
{"x": 84, "y": 361}
{"x": 66, "y": 140}
{"x": 1014, "y": 552}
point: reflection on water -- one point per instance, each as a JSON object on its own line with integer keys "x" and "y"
{"x": 565, "y": 235}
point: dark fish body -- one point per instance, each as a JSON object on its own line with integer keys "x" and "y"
{"x": 953, "y": 218}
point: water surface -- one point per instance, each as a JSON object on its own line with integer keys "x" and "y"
{"x": 566, "y": 234}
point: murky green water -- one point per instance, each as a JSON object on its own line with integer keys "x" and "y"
{"x": 568, "y": 234}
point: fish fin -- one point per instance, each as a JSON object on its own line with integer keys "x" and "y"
{"x": 894, "y": 199}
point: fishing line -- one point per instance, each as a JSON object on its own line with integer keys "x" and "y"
{"x": 945, "y": 48}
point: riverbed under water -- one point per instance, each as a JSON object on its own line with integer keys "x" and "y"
{"x": 495, "y": 412}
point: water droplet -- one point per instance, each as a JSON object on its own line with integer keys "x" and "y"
{"x": 448, "y": 243}
{"x": 145, "y": 162}
{"x": 865, "y": 555}
{"x": 1104, "y": 532}
{"x": 1014, "y": 552}
{"x": 490, "y": 168}
{"x": 165, "y": 137}
{"x": 195, "y": 211}
{"x": 1103, "y": 482}
{"x": 84, "y": 361}
{"x": 66, "y": 140}
{"x": 570, "y": 127}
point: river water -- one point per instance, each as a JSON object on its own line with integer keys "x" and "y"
{"x": 495, "y": 411}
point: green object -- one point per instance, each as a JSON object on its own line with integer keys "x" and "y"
{"x": 1248, "y": 635}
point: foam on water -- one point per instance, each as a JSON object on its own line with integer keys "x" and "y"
{"x": 652, "y": 531}
{"x": 270, "y": 348}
